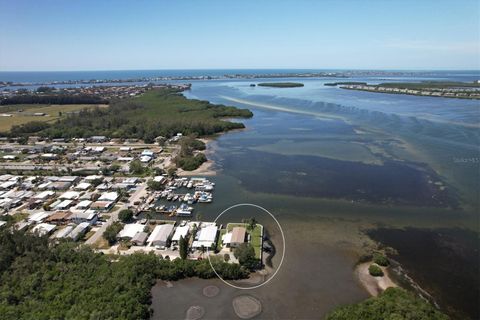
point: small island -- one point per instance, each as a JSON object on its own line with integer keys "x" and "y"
{"x": 281, "y": 84}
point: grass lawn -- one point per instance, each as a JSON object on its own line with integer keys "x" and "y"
{"x": 101, "y": 244}
{"x": 255, "y": 236}
{"x": 88, "y": 235}
{"x": 52, "y": 113}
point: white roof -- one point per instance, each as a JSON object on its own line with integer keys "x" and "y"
{"x": 131, "y": 180}
{"x": 44, "y": 194}
{"x": 108, "y": 196}
{"x": 130, "y": 230}
{"x": 83, "y": 186}
{"x": 145, "y": 158}
{"x": 44, "y": 185}
{"x": 70, "y": 195}
{"x": 92, "y": 177}
{"x": 227, "y": 237}
{"x": 7, "y": 184}
{"x": 160, "y": 233}
{"x": 38, "y": 216}
{"x": 125, "y": 158}
{"x": 62, "y": 233}
{"x": 67, "y": 178}
{"x": 208, "y": 234}
{"x": 44, "y": 228}
{"x": 2, "y": 223}
{"x": 84, "y": 204}
{"x": 180, "y": 232}
{"x": 147, "y": 153}
{"x": 63, "y": 204}
{"x": 78, "y": 229}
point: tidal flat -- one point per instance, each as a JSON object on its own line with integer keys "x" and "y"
{"x": 398, "y": 165}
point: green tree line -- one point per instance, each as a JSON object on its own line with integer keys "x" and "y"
{"x": 39, "y": 280}
{"x": 162, "y": 112}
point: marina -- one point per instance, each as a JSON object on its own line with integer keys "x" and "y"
{"x": 178, "y": 197}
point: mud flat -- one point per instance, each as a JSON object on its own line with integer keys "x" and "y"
{"x": 246, "y": 306}
{"x": 211, "y": 291}
{"x": 195, "y": 313}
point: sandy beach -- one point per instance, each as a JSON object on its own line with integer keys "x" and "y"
{"x": 207, "y": 168}
{"x": 374, "y": 285}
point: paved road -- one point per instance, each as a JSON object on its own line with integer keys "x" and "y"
{"x": 22, "y": 166}
{"x": 141, "y": 191}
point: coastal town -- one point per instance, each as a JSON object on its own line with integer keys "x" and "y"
{"x": 447, "y": 92}
{"x": 103, "y": 93}
{"x": 81, "y": 189}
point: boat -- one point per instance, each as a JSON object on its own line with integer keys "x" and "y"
{"x": 184, "y": 210}
{"x": 190, "y": 185}
{"x": 175, "y": 197}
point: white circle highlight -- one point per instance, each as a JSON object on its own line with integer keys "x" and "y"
{"x": 283, "y": 251}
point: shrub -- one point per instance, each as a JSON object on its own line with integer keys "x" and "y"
{"x": 381, "y": 260}
{"x": 110, "y": 233}
{"x": 375, "y": 271}
{"x": 246, "y": 256}
{"x": 125, "y": 215}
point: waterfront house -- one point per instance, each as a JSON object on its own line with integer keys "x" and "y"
{"x": 205, "y": 237}
{"x": 160, "y": 235}
{"x": 181, "y": 231}
{"x": 234, "y": 238}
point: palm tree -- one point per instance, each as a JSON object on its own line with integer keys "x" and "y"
{"x": 149, "y": 215}
{"x": 251, "y": 224}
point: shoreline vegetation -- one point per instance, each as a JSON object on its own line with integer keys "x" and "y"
{"x": 157, "y": 112}
{"x": 281, "y": 84}
{"x": 459, "y": 90}
{"x": 84, "y": 283}
{"x": 393, "y": 303}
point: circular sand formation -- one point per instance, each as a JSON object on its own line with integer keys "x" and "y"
{"x": 195, "y": 313}
{"x": 210, "y": 291}
{"x": 246, "y": 306}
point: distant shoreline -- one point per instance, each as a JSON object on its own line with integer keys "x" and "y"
{"x": 459, "y": 90}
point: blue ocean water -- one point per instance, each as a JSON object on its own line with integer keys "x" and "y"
{"x": 51, "y": 76}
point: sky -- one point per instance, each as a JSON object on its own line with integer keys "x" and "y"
{"x": 62, "y": 35}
